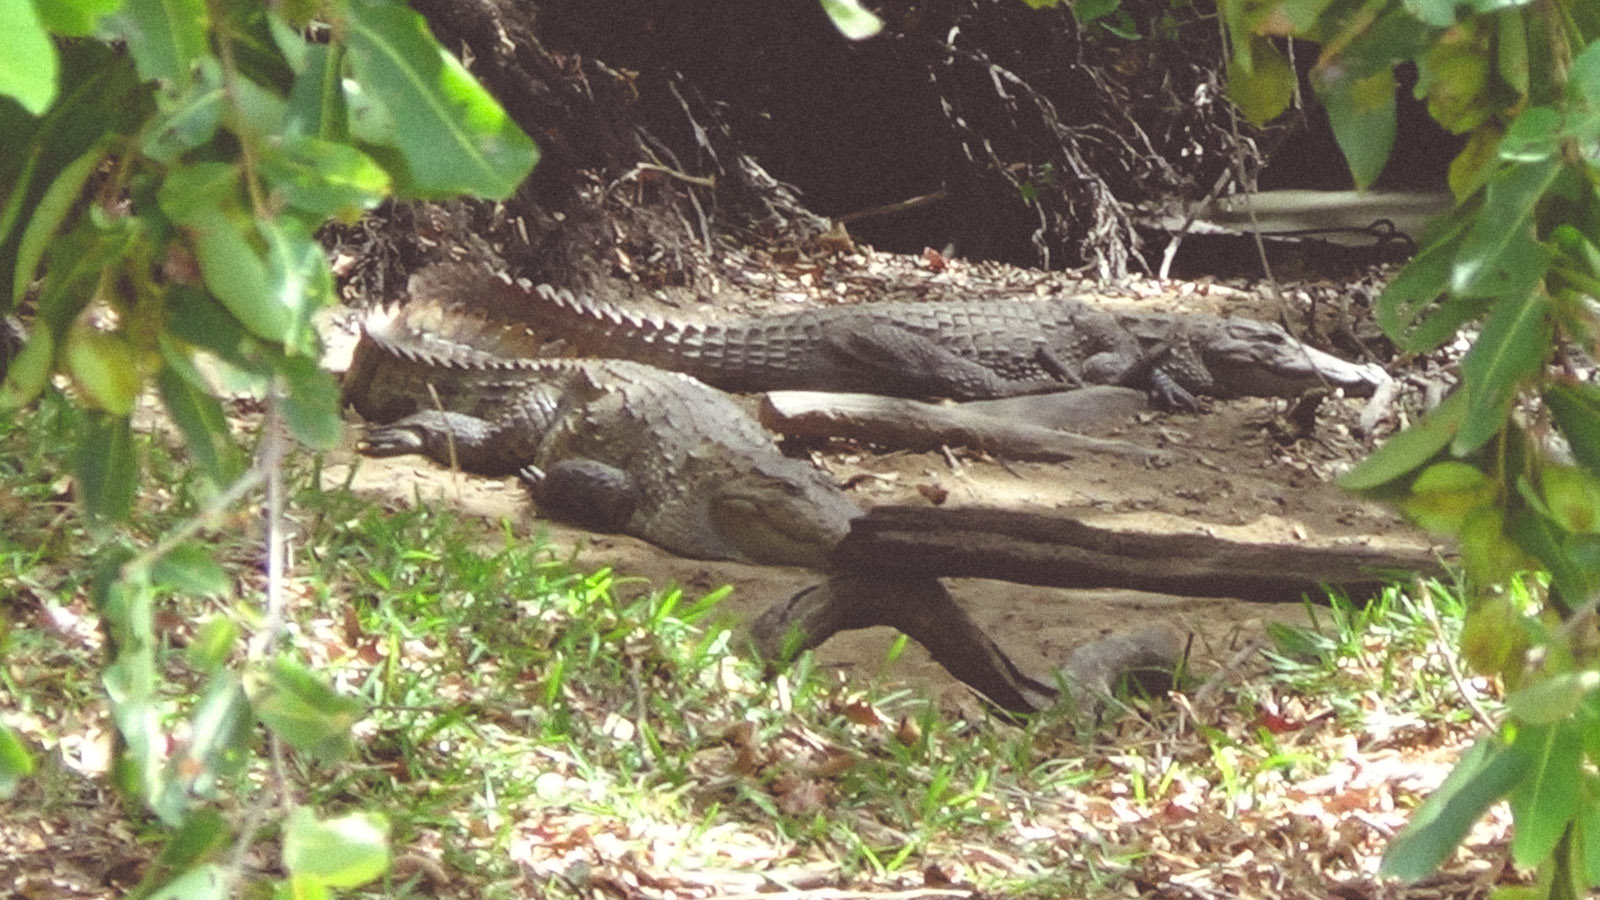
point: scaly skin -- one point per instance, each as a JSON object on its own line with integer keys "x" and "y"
{"x": 612, "y": 444}
{"x": 962, "y": 349}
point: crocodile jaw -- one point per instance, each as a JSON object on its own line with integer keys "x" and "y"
{"x": 1261, "y": 359}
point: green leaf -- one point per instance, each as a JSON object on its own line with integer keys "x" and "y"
{"x": 345, "y": 852}
{"x": 1415, "y": 310}
{"x": 1445, "y": 493}
{"x": 1088, "y": 11}
{"x": 192, "y": 569}
{"x": 47, "y": 217}
{"x": 103, "y": 367}
{"x": 1512, "y": 348}
{"x": 317, "y": 105}
{"x": 1499, "y": 262}
{"x": 1436, "y": 13}
{"x": 100, "y": 95}
{"x": 75, "y": 18}
{"x": 292, "y": 701}
{"x": 1410, "y": 449}
{"x": 455, "y": 138}
{"x": 126, "y": 604}
{"x": 298, "y": 278}
{"x": 1576, "y": 411}
{"x": 166, "y": 37}
{"x": 1475, "y": 163}
{"x": 75, "y": 264}
{"x": 221, "y": 733}
{"x": 191, "y": 193}
{"x": 1511, "y": 51}
{"x": 1500, "y": 255}
{"x": 1545, "y": 801}
{"x": 851, "y": 19}
{"x": 213, "y": 643}
{"x": 311, "y": 403}
{"x": 106, "y": 466}
{"x": 208, "y": 882}
{"x": 1454, "y": 75}
{"x": 1303, "y": 14}
{"x": 205, "y": 428}
{"x": 203, "y": 834}
{"x": 1572, "y": 497}
{"x": 1264, "y": 88}
{"x": 301, "y": 889}
{"x": 1585, "y": 74}
{"x": 197, "y": 319}
{"x": 1488, "y": 555}
{"x": 1533, "y": 136}
{"x": 1557, "y": 551}
{"x": 29, "y": 371}
{"x": 1354, "y": 78}
{"x": 28, "y": 63}
{"x": 1362, "y": 113}
{"x": 1553, "y": 700}
{"x": 259, "y": 109}
{"x": 236, "y": 274}
{"x": 16, "y": 763}
{"x": 190, "y": 112}
{"x": 323, "y": 179}
{"x": 1484, "y": 774}
{"x": 371, "y": 126}
{"x": 1492, "y": 636}
{"x": 1588, "y": 848}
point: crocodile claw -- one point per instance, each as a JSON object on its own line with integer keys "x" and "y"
{"x": 391, "y": 440}
{"x": 1170, "y": 394}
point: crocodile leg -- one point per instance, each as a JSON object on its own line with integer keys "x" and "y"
{"x": 1169, "y": 393}
{"x": 585, "y": 492}
{"x": 484, "y": 446}
{"x": 1152, "y": 372}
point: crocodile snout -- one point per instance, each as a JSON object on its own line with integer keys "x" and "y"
{"x": 1264, "y": 360}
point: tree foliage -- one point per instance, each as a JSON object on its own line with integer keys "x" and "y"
{"x": 1510, "y": 463}
{"x": 164, "y": 165}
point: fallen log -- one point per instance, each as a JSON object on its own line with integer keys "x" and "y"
{"x": 924, "y": 611}
{"x": 914, "y": 425}
{"x": 1058, "y": 550}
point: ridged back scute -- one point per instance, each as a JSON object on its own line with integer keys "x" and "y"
{"x": 614, "y": 331}
{"x": 404, "y": 349}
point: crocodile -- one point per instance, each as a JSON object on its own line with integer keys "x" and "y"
{"x": 610, "y": 445}
{"x": 963, "y": 349}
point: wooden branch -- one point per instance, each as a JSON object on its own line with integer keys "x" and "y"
{"x": 1037, "y": 548}
{"x": 914, "y": 425}
{"x": 923, "y": 610}
{"x": 919, "y": 607}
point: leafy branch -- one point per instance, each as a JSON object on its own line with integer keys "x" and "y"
{"x": 1510, "y": 463}
{"x": 164, "y": 167}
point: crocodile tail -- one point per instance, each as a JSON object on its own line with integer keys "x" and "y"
{"x": 467, "y": 306}
{"x": 596, "y": 327}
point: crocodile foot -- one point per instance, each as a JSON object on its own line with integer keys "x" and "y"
{"x": 392, "y": 440}
{"x": 1170, "y": 394}
{"x": 584, "y": 492}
